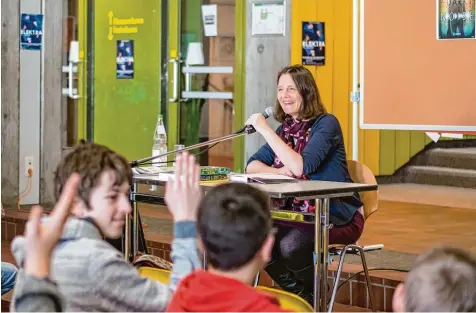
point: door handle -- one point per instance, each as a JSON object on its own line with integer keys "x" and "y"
{"x": 72, "y": 68}
{"x": 175, "y": 86}
{"x": 71, "y": 94}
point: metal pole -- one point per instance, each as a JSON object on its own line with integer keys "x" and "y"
{"x": 127, "y": 239}
{"x": 247, "y": 130}
{"x": 135, "y": 224}
{"x": 321, "y": 255}
{"x": 355, "y": 81}
{"x": 324, "y": 220}
{"x": 317, "y": 257}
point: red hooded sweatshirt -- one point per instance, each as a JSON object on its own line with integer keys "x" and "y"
{"x": 202, "y": 291}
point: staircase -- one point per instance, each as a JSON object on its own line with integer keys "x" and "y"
{"x": 455, "y": 167}
{"x": 443, "y": 176}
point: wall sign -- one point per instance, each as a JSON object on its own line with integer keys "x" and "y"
{"x": 210, "y": 20}
{"x": 123, "y": 25}
{"x": 313, "y": 43}
{"x": 31, "y": 31}
{"x": 268, "y": 18}
{"x": 125, "y": 59}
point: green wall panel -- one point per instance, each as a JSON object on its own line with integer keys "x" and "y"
{"x": 239, "y": 88}
{"x": 402, "y": 147}
{"x": 173, "y": 36}
{"x": 397, "y": 147}
{"x": 417, "y": 142}
{"x": 81, "y": 110}
{"x": 125, "y": 110}
{"x": 387, "y": 152}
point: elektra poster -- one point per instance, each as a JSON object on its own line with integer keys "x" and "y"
{"x": 125, "y": 59}
{"x": 31, "y": 31}
{"x": 456, "y": 19}
{"x": 313, "y": 43}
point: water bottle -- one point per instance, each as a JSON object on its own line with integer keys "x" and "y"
{"x": 160, "y": 143}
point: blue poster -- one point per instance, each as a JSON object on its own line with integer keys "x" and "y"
{"x": 31, "y": 31}
{"x": 313, "y": 43}
{"x": 125, "y": 59}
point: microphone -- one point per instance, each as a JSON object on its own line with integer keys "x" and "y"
{"x": 248, "y": 129}
{"x": 267, "y": 113}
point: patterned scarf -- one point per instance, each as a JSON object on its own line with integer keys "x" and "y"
{"x": 296, "y": 136}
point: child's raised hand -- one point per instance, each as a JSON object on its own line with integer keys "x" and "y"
{"x": 182, "y": 193}
{"x": 41, "y": 238}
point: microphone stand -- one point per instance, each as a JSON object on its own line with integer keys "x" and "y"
{"x": 134, "y": 241}
{"x": 244, "y": 131}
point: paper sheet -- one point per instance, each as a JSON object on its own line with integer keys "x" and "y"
{"x": 245, "y": 177}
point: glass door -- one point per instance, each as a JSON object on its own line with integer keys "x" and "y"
{"x": 70, "y": 34}
{"x": 201, "y": 77}
{"x": 155, "y": 57}
{"x": 120, "y": 73}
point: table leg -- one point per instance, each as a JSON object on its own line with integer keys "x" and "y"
{"x": 325, "y": 252}
{"x": 317, "y": 255}
{"x": 321, "y": 254}
{"x": 135, "y": 225}
{"x": 127, "y": 237}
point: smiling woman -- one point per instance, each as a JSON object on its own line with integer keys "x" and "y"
{"x": 308, "y": 145}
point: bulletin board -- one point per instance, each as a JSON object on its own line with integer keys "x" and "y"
{"x": 410, "y": 79}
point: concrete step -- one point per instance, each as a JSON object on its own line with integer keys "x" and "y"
{"x": 443, "y": 176}
{"x": 463, "y": 158}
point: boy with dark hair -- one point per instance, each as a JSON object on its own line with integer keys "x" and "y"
{"x": 235, "y": 230}
{"x": 442, "y": 280}
{"x": 91, "y": 274}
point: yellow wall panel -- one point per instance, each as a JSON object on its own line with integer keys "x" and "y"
{"x": 325, "y": 74}
{"x": 334, "y": 79}
{"x": 342, "y": 70}
{"x": 371, "y": 148}
{"x": 302, "y": 10}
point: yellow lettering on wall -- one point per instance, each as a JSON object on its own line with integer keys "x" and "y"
{"x": 125, "y": 30}
{"x": 123, "y": 25}
{"x": 128, "y": 21}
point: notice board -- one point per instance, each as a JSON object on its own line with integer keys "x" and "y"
{"x": 410, "y": 79}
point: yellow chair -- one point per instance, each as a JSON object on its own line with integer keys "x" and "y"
{"x": 155, "y": 274}
{"x": 288, "y": 300}
{"x": 363, "y": 175}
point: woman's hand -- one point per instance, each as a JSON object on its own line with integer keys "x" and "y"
{"x": 285, "y": 171}
{"x": 258, "y": 121}
{"x": 291, "y": 159}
